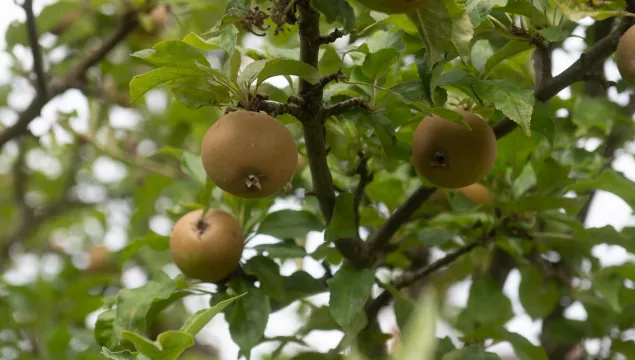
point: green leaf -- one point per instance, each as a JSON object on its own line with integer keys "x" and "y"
{"x": 442, "y": 26}
{"x": 197, "y": 321}
{"x": 350, "y": 288}
{"x": 609, "y": 286}
{"x": 173, "y": 343}
{"x": 336, "y": 10}
{"x": 287, "y": 249}
{"x": 576, "y": 10}
{"x": 250, "y": 72}
{"x": 284, "y": 224}
{"x": 513, "y": 100}
{"x": 134, "y": 304}
{"x": 487, "y": 304}
{"x": 470, "y": 352}
{"x": 104, "y": 332}
{"x": 173, "y": 54}
{"x": 611, "y": 181}
{"x": 153, "y": 240}
{"x": 510, "y": 49}
{"x": 539, "y": 296}
{"x": 419, "y": 336}
{"x": 191, "y": 164}
{"x": 343, "y": 224}
{"x": 301, "y": 284}
{"x": 479, "y": 9}
{"x": 249, "y": 318}
{"x": 195, "y": 40}
{"x": 118, "y": 355}
{"x": 523, "y": 348}
{"x": 143, "y": 345}
{"x": 141, "y": 84}
{"x": 542, "y": 122}
{"x": 268, "y": 273}
{"x": 379, "y": 63}
{"x": 279, "y": 66}
{"x": 554, "y": 33}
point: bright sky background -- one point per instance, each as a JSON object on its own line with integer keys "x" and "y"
{"x": 607, "y": 209}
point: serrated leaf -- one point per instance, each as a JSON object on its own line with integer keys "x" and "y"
{"x": 197, "y": 321}
{"x": 173, "y": 54}
{"x": 343, "y": 224}
{"x": 268, "y": 273}
{"x": 443, "y": 27}
{"x": 287, "y": 249}
{"x": 479, "y": 9}
{"x": 611, "y": 181}
{"x": 510, "y": 49}
{"x": 250, "y": 72}
{"x": 134, "y": 304}
{"x": 195, "y": 40}
{"x": 377, "y": 64}
{"x": 554, "y": 33}
{"x": 143, "y": 345}
{"x": 336, "y": 10}
{"x": 249, "y": 318}
{"x": 279, "y": 66}
{"x": 350, "y": 288}
{"x": 118, "y": 355}
{"x": 285, "y": 224}
{"x": 141, "y": 84}
{"x": 515, "y": 102}
{"x": 195, "y": 92}
{"x": 173, "y": 343}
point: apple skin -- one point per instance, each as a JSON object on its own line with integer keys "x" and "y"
{"x": 210, "y": 254}
{"x": 625, "y": 56}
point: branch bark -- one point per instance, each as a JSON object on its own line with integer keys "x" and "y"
{"x": 578, "y": 71}
{"x": 36, "y": 50}
{"x": 313, "y": 117}
{"x": 70, "y": 80}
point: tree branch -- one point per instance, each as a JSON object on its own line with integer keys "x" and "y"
{"x": 334, "y": 35}
{"x": 34, "y": 219}
{"x": 578, "y": 71}
{"x": 70, "y": 80}
{"x": 345, "y": 105}
{"x": 312, "y": 117}
{"x": 407, "y": 278}
{"x": 38, "y": 63}
{"x": 365, "y": 178}
{"x": 379, "y": 240}
{"x": 275, "y": 108}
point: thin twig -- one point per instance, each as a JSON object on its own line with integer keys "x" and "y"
{"x": 407, "y": 278}
{"x": 334, "y": 35}
{"x": 590, "y": 59}
{"x": 365, "y": 178}
{"x": 346, "y": 105}
{"x": 38, "y": 62}
{"x": 72, "y": 79}
{"x": 379, "y": 240}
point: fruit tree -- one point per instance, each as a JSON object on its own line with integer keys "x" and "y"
{"x": 317, "y": 179}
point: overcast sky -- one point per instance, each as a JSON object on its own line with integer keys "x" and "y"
{"x": 607, "y": 209}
